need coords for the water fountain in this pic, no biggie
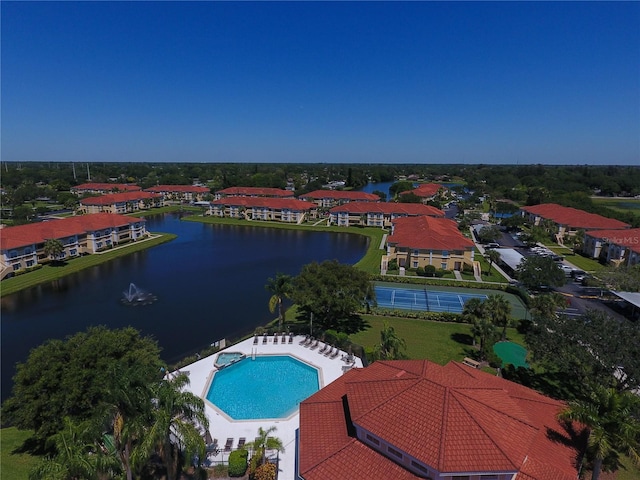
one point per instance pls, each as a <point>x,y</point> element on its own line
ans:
<point>135,296</point>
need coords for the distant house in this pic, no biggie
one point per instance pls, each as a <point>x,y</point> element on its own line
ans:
<point>104,188</point>
<point>378,214</point>
<point>331,198</point>
<point>418,242</point>
<point>128,202</point>
<point>180,193</point>
<point>253,192</point>
<point>426,191</point>
<point>414,419</point>
<point>569,220</point>
<point>617,247</point>
<point>289,210</point>
<point>22,247</point>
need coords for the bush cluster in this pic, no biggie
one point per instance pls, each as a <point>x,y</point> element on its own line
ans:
<point>266,471</point>
<point>238,463</point>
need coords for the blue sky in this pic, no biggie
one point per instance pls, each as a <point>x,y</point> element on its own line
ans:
<point>380,82</point>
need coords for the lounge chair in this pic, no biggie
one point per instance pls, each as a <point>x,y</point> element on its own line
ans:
<point>228,445</point>
<point>264,339</point>
<point>335,354</point>
<point>255,339</point>
<point>284,337</point>
<point>329,352</point>
<point>291,338</point>
<point>324,349</point>
<point>303,341</point>
<point>308,342</point>
<point>275,339</point>
<point>315,345</point>
<point>241,442</point>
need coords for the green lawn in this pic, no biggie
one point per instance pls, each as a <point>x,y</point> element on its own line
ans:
<point>14,466</point>
<point>48,272</point>
<point>436,341</point>
<point>626,205</point>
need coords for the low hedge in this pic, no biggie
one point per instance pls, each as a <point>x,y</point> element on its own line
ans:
<point>438,282</point>
<point>238,463</point>
<point>446,317</point>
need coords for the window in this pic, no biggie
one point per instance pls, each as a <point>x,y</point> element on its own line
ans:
<point>443,265</point>
<point>415,264</point>
<point>373,439</point>
<point>419,467</point>
<point>445,253</point>
<point>394,452</point>
<point>416,252</point>
<point>30,263</point>
<point>16,266</point>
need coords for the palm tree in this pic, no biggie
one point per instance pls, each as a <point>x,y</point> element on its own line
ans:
<point>545,306</point>
<point>177,419</point>
<point>499,309</point>
<point>474,310</point>
<point>493,257</point>
<point>391,347</point>
<point>614,424</point>
<point>483,329</point>
<point>264,442</point>
<point>77,456</point>
<point>280,287</point>
<point>53,248</point>
<point>125,412</point>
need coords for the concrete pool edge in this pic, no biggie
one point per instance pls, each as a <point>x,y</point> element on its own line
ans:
<point>293,411</point>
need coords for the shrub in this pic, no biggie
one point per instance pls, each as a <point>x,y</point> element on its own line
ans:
<point>393,264</point>
<point>238,463</point>
<point>266,471</point>
<point>429,271</point>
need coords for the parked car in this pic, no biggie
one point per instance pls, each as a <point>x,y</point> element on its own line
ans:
<point>493,245</point>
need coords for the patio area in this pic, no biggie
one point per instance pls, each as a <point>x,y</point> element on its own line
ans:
<point>229,433</point>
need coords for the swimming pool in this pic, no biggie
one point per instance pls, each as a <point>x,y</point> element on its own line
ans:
<point>269,386</point>
<point>227,358</point>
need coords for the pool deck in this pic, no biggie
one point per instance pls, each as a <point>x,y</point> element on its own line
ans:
<point>221,427</point>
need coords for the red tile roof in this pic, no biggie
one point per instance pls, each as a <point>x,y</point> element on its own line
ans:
<point>177,189</point>
<point>451,418</point>
<point>342,195</point>
<point>624,238</point>
<point>388,208</point>
<point>113,198</point>
<point>34,233</point>
<point>428,233</point>
<point>425,190</point>
<point>108,187</point>
<point>573,217</point>
<point>266,202</point>
<point>257,191</point>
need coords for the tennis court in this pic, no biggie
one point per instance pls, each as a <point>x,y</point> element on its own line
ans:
<point>423,299</point>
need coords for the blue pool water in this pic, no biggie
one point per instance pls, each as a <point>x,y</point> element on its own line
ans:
<point>264,387</point>
<point>226,358</point>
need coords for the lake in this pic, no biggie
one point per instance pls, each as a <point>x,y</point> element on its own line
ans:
<point>209,283</point>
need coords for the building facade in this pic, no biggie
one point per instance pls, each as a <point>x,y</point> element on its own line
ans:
<point>23,247</point>
<point>264,208</point>
<point>332,198</point>
<point>616,247</point>
<point>418,242</point>
<point>121,203</point>
<point>180,193</point>
<point>380,214</point>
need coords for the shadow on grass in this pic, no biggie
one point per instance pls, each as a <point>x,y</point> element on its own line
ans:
<point>557,385</point>
<point>462,338</point>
